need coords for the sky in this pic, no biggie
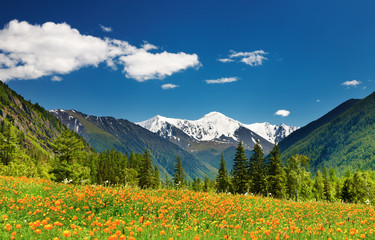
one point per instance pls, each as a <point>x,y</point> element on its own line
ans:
<point>254,61</point>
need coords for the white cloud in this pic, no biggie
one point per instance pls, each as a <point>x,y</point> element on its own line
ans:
<point>56,79</point>
<point>33,51</point>
<point>318,100</point>
<point>222,80</point>
<point>351,83</point>
<point>105,29</point>
<point>168,86</point>
<point>282,113</point>
<point>225,60</point>
<point>147,46</point>
<point>253,59</point>
<point>144,65</point>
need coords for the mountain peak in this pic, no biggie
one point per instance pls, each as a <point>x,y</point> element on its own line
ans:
<point>214,114</point>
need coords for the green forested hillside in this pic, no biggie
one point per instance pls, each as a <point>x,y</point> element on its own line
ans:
<point>306,130</point>
<point>107,132</point>
<point>28,135</point>
<point>34,143</point>
<point>345,142</point>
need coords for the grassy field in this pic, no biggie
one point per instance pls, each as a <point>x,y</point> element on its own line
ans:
<point>40,209</point>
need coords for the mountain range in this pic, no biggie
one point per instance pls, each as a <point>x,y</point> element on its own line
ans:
<point>104,133</point>
<point>216,126</point>
<point>341,139</point>
<point>215,134</point>
<point>200,143</point>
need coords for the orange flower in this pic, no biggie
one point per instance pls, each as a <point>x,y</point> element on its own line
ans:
<point>139,229</point>
<point>162,232</point>
<point>267,232</point>
<point>48,227</point>
<point>18,226</point>
<point>67,233</point>
<point>113,237</point>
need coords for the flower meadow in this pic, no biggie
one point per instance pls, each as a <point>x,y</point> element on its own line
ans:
<point>40,209</point>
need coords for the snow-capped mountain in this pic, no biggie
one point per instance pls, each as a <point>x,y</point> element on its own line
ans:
<point>271,132</point>
<point>216,126</point>
<point>212,126</point>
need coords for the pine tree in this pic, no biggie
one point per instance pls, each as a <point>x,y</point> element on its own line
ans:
<point>7,143</point>
<point>206,184</point>
<point>156,179</point>
<point>146,171</point>
<point>240,172</point>
<point>179,173</point>
<point>196,185</point>
<point>222,177</point>
<point>70,153</point>
<point>276,175</point>
<point>347,192</point>
<point>327,186</point>
<point>68,147</point>
<point>257,171</point>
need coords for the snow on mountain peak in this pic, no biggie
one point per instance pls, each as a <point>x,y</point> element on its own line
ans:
<point>211,126</point>
<point>215,125</point>
<point>271,132</point>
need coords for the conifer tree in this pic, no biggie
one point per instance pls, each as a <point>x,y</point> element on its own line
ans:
<point>146,171</point>
<point>156,179</point>
<point>257,171</point>
<point>69,154</point>
<point>327,186</point>
<point>196,185</point>
<point>7,143</point>
<point>179,173</point>
<point>206,184</point>
<point>347,192</point>
<point>276,175</point>
<point>240,172</point>
<point>222,177</point>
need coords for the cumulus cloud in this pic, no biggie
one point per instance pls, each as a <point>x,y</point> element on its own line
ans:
<point>33,51</point>
<point>318,100</point>
<point>222,80</point>
<point>282,113</point>
<point>254,58</point>
<point>105,29</point>
<point>168,86</point>
<point>56,79</point>
<point>144,65</point>
<point>352,83</point>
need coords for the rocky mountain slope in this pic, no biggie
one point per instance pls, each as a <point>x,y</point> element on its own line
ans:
<point>107,132</point>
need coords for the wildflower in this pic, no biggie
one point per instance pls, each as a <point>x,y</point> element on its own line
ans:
<point>67,233</point>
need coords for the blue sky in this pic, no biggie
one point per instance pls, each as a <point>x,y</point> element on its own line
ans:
<point>112,58</point>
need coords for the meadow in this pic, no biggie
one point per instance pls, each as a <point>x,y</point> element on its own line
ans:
<point>39,209</point>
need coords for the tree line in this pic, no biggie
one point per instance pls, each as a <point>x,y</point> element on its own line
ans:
<point>270,176</point>
<point>261,175</point>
